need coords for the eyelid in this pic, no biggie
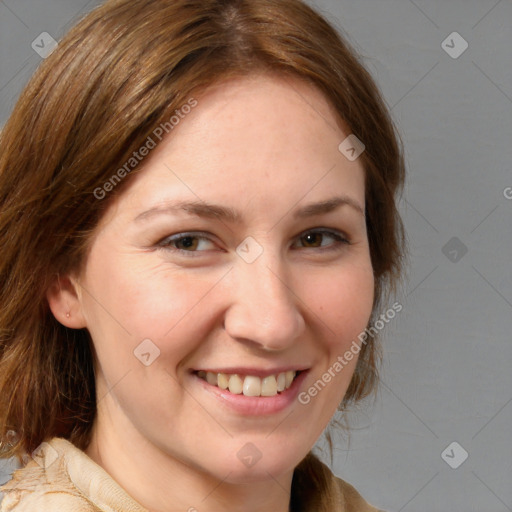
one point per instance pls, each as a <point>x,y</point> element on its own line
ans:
<point>340,238</point>
<point>165,242</point>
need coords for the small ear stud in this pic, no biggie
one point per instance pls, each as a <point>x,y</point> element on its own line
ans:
<point>67,314</point>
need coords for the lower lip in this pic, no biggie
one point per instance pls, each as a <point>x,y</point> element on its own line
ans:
<point>256,405</point>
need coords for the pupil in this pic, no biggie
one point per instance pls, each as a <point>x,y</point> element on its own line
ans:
<point>311,238</point>
<point>187,242</point>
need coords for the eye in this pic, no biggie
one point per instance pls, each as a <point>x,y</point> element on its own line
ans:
<point>186,242</point>
<point>315,239</point>
<point>197,242</point>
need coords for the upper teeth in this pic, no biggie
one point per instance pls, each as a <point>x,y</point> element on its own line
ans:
<point>250,385</point>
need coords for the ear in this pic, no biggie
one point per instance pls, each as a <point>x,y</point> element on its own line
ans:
<point>64,299</point>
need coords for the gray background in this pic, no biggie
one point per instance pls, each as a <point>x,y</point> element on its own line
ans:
<point>446,373</point>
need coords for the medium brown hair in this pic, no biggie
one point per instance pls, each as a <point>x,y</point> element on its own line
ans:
<point>121,71</point>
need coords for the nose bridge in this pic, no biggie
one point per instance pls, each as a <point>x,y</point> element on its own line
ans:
<point>265,308</point>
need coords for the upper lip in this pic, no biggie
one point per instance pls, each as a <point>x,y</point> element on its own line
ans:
<point>257,372</point>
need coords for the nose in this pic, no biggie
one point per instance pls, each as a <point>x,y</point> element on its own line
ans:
<point>265,310</point>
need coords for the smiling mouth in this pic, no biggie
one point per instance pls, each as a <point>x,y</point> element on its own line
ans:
<point>250,385</point>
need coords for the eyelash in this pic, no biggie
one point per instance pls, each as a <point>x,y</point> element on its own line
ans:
<point>168,241</point>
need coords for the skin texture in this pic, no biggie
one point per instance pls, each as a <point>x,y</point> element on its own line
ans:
<point>265,146</point>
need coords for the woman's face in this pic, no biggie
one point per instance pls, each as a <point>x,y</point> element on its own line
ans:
<point>252,280</point>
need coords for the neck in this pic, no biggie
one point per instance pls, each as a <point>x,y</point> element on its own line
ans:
<point>161,483</point>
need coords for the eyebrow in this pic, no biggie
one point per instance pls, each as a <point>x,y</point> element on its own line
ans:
<point>209,210</point>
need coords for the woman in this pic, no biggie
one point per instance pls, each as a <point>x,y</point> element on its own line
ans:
<point>198,225</point>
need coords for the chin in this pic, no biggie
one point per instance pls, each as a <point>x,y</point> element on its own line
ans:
<point>260,472</point>
<point>251,465</point>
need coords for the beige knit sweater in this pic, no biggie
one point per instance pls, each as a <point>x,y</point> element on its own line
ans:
<point>65,479</point>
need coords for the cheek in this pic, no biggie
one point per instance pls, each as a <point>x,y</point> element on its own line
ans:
<point>130,302</point>
<point>343,301</point>
<point>175,308</point>
<point>342,306</point>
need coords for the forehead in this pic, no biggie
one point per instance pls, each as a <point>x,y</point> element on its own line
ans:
<point>266,136</point>
<point>252,109</point>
